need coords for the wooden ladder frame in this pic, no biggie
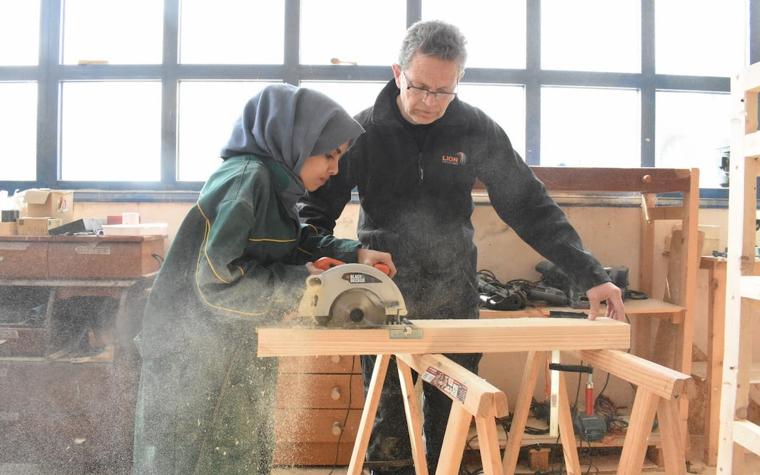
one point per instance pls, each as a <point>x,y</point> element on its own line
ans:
<point>736,433</point>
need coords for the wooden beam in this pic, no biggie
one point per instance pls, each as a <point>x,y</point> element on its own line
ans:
<point>478,396</point>
<point>454,440</point>
<point>647,180</point>
<point>662,381</point>
<point>533,364</point>
<point>413,418</point>
<point>448,336</point>
<point>368,415</point>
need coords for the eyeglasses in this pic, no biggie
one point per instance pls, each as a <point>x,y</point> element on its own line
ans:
<point>423,93</point>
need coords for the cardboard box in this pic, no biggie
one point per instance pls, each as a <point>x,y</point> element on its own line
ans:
<point>36,226</point>
<point>44,202</point>
<point>8,229</point>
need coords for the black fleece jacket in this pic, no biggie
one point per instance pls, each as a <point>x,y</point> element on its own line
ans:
<point>416,203</point>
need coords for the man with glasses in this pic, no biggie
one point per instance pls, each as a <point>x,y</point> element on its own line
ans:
<point>414,169</point>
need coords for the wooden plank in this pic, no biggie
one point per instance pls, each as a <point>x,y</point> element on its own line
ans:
<point>752,144</point>
<point>741,209</point>
<point>448,336</point>
<point>747,434</point>
<point>454,441</point>
<point>566,432</point>
<point>666,212</point>
<point>413,418</point>
<point>490,456</point>
<point>368,415</point>
<point>478,396</point>
<point>672,441</point>
<point>662,381</point>
<point>646,246</point>
<point>715,322</point>
<point>639,427</point>
<point>534,362</point>
<point>649,308</point>
<point>649,180</point>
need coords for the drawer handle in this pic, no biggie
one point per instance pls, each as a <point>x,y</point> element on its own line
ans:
<point>336,429</point>
<point>335,358</point>
<point>335,393</point>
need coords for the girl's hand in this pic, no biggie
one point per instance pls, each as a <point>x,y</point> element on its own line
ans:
<point>370,258</point>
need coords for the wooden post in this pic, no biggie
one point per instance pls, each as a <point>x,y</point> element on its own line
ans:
<point>413,419</point>
<point>639,428</point>
<point>533,364</point>
<point>368,415</point>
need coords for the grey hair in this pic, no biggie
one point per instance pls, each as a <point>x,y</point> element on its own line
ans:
<point>434,38</point>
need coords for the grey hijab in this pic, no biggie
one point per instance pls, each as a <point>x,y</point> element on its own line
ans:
<point>289,124</point>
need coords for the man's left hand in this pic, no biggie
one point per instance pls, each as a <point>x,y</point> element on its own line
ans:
<point>614,297</point>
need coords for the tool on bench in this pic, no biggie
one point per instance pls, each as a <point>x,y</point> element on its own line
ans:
<point>352,296</point>
<point>588,425</point>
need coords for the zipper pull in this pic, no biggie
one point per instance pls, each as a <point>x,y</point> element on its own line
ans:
<point>419,167</point>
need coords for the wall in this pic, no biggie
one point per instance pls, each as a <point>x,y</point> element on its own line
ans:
<point>611,233</point>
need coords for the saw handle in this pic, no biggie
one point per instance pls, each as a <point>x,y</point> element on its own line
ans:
<point>325,263</point>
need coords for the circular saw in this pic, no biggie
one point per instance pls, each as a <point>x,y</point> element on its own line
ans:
<point>352,296</point>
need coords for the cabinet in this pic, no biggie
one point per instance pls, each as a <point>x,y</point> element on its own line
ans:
<point>319,404</point>
<point>737,434</point>
<point>69,307</point>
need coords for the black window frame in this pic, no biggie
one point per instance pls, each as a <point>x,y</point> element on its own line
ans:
<point>50,73</point>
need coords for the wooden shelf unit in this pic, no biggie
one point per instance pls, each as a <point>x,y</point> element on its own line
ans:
<point>742,288</point>
<point>648,183</point>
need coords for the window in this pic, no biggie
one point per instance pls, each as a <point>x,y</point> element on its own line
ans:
<point>591,35</point>
<point>142,94</point>
<point>18,131</point>
<point>112,31</point>
<point>232,32</point>
<point>711,43</point>
<point>692,130</point>
<point>351,32</point>
<point>353,96</point>
<point>495,31</point>
<point>111,131</point>
<point>20,27</point>
<point>207,112</point>
<point>584,127</point>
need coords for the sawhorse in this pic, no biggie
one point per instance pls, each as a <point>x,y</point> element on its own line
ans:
<point>659,389</point>
<point>471,396</point>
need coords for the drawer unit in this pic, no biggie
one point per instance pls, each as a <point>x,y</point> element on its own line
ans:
<point>104,257</point>
<point>319,405</point>
<point>23,259</point>
<point>329,433</point>
<point>320,391</point>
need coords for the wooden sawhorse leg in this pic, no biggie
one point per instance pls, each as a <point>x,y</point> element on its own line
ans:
<point>536,361</point>
<point>471,397</point>
<point>368,415</point>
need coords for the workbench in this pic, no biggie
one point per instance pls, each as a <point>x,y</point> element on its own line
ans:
<point>67,405</point>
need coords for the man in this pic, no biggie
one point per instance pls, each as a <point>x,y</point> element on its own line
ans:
<point>414,168</point>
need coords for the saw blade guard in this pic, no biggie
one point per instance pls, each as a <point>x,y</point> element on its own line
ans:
<point>352,295</point>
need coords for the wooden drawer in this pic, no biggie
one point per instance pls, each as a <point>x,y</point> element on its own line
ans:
<point>312,453</point>
<point>104,258</point>
<point>320,364</point>
<point>23,260</point>
<point>320,391</point>
<point>316,425</point>
<point>23,341</point>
